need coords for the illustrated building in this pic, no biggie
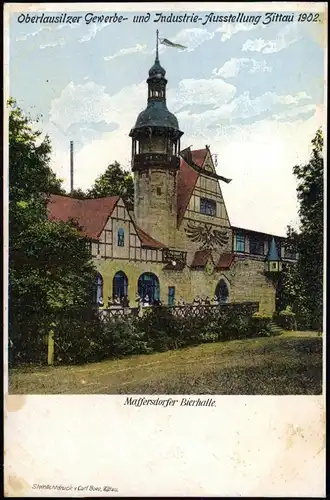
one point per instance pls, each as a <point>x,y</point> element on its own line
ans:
<point>178,240</point>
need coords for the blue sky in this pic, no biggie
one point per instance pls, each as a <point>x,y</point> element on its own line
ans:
<point>254,93</point>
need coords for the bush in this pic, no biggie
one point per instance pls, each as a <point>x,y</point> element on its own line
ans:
<point>259,325</point>
<point>88,339</point>
<point>26,346</point>
<point>160,329</point>
<point>233,324</point>
<point>79,341</point>
<point>122,338</point>
<point>286,319</point>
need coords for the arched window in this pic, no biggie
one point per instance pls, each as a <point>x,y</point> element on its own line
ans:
<point>98,290</point>
<point>222,291</point>
<point>148,287</point>
<point>120,285</point>
<point>121,237</point>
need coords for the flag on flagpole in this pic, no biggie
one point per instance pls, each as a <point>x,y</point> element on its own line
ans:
<point>168,43</point>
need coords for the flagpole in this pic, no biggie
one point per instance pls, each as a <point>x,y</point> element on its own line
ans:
<point>157,59</point>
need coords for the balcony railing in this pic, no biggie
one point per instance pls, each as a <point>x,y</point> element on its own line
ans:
<point>174,259</point>
<point>162,160</point>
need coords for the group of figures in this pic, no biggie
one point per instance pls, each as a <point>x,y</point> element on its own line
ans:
<point>206,301</point>
<point>115,301</point>
<point>146,301</point>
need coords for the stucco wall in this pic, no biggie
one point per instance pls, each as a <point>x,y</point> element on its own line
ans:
<point>246,281</point>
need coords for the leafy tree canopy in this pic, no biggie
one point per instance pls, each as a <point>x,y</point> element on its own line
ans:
<point>50,272</point>
<point>302,285</point>
<point>115,181</point>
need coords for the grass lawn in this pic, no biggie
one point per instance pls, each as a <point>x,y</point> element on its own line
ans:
<point>288,364</point>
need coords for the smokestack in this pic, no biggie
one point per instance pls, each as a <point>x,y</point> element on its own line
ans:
<point>71,166</point>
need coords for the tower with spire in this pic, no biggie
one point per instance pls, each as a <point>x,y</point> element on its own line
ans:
<point>155,160</point>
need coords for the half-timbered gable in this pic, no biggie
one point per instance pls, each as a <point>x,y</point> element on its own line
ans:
<point>207,203</point>
<point>203,222</point>
<point>117,232</point>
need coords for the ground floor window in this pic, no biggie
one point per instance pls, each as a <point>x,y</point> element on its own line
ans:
<point>120,285</point>
<point>171,295</point>
<point>222,291</point>
<point>148,288</point>
<point>98,290</point>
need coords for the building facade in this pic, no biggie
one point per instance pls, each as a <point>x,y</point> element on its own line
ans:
<point>178,241</point>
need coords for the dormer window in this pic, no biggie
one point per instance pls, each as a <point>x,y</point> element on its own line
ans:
<point>208,207</point>
<point>121,237</point>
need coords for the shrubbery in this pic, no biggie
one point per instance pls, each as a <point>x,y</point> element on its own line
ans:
<point>81,340</point>
<point>286,319</point>
<point>260,325</point>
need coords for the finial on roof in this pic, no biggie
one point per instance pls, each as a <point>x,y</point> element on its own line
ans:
<point>157,41</point>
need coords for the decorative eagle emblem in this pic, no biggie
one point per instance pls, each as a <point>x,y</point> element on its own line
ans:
<point>207,235</point>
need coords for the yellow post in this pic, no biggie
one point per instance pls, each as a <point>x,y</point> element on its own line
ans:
<point>50,359</point>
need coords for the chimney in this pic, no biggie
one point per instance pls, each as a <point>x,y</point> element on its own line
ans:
<point>71,167</point>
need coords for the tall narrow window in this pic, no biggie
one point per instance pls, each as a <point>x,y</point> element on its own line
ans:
<point>121,237</point>
<point>171,295</point>
<point>240,243</point>
<point>120,285</point>
<point>98,290</point>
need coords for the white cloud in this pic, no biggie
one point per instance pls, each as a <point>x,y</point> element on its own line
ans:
<point>260,158</point>
<point>238,109</point>
<point>93,30</point>
<point>124,52</point>
<point>228,29</point>
<point>43,29</point>
<point>233,66</point>
<point>60,41</point>
<point>34,33</point>
<point>202,92</point>
<point>293,112</point>
<point>286,37</point>
<point>79,104</point>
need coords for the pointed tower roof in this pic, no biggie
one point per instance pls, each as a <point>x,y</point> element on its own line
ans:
<point>273,252</point>
<point>156,114</point>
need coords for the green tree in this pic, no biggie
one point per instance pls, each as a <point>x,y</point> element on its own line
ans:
<point>78,194</point>
<point>50,272</point>
<point>302,285</point>
<point>115,181</point>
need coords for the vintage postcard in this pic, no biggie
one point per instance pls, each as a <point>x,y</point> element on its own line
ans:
<point>164,193</point>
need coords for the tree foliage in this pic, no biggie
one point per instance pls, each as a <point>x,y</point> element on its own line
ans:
<point>302,285</point>
<point>78,194</point>
<point>115,181</point>
<point>50,273</point>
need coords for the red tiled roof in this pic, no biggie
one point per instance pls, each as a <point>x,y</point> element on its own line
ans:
<point>225,261</point>
<point>91,215</point>
<point>148,241</point>
<point>198,156</point>
<point>201,257</point>
<point>187,179</point>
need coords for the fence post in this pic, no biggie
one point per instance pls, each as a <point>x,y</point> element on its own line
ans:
<point>50,358</point>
